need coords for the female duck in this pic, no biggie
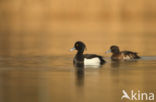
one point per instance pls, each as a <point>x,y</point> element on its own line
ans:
<point>81,59</point>
<point>122,55</point>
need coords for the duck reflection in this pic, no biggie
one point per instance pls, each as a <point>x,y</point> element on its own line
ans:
<point>80,76</point>
<point>79,82</point>
<point>115,64</point>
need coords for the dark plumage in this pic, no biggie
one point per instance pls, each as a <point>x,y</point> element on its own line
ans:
<point>81,59</point>
<point>122,55</point>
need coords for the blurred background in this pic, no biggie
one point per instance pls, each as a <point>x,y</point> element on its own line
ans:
<point>51,27</point>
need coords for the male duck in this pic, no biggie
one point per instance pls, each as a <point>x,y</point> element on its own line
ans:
<point>122,55</point>
<point>81,59</point>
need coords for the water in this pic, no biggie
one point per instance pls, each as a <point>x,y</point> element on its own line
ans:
<point>53,78</point>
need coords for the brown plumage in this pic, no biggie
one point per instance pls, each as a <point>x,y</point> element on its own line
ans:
<point>122,55</point>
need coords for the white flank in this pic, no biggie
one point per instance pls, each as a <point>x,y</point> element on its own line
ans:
<point>126,57</point>
<point>93,61</point>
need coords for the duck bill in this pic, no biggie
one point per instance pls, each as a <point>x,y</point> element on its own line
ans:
<point>108,51</point>
<point>72,49</point>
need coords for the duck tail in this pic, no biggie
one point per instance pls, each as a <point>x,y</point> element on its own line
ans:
<point>136,56</point>
<point>102,60</point>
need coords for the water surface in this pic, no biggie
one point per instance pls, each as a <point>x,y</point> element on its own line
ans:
<point>54,79</point>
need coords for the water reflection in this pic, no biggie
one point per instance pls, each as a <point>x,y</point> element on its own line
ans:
<point>80,75</point>
<point>48,81</point>
<point>115,64</point>
<point>79,84</point>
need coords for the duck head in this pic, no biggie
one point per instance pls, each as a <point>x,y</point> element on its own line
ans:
<point>114,49</point>
<point>79,46</point>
